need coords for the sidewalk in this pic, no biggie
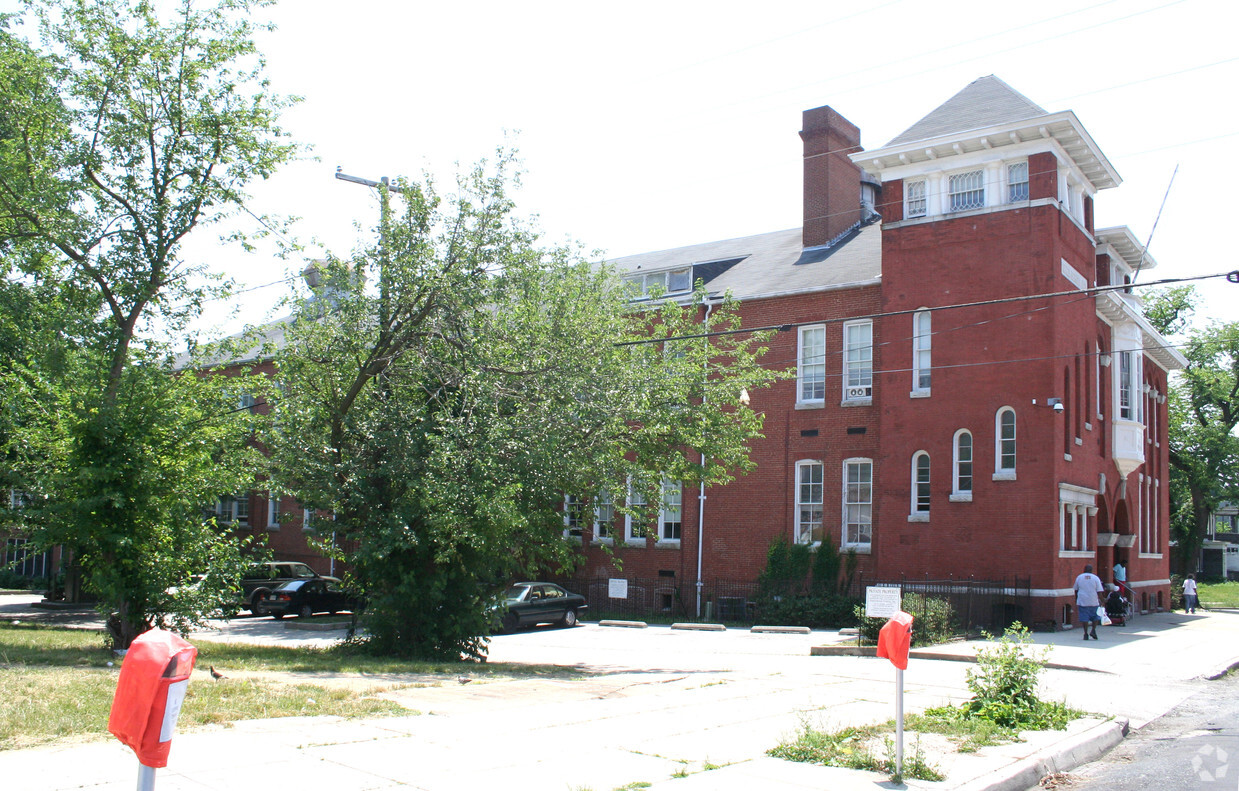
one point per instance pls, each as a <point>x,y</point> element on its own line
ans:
<point>670,726</point>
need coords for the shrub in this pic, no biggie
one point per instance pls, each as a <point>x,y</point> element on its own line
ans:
<point>823,611</point>
<point>1004,686</point>
<point>934,620</point>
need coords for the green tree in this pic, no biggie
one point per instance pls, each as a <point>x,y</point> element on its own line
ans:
<point>1203,410</point>
<point>125,130</point>
<point>442,416</point>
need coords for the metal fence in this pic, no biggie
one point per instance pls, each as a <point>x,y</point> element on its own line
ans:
<point>976,605</point>
<point>721,600</point>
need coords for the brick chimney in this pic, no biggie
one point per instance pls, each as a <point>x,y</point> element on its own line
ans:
<point>831,181</point>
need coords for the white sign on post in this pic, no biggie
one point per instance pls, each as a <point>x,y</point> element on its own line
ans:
<point>881,602</point>
<point>617,589</point>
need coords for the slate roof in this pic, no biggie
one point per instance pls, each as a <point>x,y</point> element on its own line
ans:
<point>771,264</point>
<point>984,102</point>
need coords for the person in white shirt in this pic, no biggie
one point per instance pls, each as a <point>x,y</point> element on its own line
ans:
<point>1190,601</point>
<point>1088,590</point>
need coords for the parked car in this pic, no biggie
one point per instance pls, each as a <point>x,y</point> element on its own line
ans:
<point>532,603</point>
<point>262,578</point>
<point>306,597</point>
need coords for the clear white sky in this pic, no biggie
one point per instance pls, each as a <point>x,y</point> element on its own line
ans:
<point>648,125</point>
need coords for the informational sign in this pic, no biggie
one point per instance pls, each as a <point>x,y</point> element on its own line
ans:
<point>618,589</point>
<point>881,602</point>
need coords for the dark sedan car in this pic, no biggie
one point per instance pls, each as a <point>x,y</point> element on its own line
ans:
<point>531,603</point>
<point>306,597</point>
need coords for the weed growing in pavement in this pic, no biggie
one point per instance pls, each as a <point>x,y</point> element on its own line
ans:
<point>1004,687</point>
<point>852,748</point>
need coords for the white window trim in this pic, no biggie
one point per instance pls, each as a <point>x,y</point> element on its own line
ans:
<point>856,400</point>
<point>860,547</point>
<point>908,213</point>
<point>957,494</point>
<point>801,401</point>
<point>1002,473</point>
<point>663,512</point>
<point>1008,183</point>
<point>568,505</point>
<point>796,523</point>
<point>273,511</point>
<point>922,342</point>
<point>915,514</point>
<point>949,194</point>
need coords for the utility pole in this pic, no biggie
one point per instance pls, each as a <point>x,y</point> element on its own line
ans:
<point>385,189</point>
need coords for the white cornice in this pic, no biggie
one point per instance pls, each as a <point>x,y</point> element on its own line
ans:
<point>1063,128</point>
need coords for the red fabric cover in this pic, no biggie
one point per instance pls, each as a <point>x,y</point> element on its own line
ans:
<point>894,639</point>
<point>155,660</point>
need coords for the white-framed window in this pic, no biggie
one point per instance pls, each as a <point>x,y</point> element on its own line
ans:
<point>673,281</point>
<point>858,361</point>
<point>922,342</point>
<point>966,190</point>
<point>670,520</point>
<point>20,556</point>
<point>920,486</point>
<point>1017,182</point>
<point>915,202</point>
<point>574,516</point>
<point>1129,386</point>
<point>246,401</point>
<point>858,504</point>
<point>233,508</point>
<point>273,511</point>
<point>1004,443</point>
<point>811,365</point>
<point>634,523</point>
<point>308,515</point>
<point>961,467</point>
<point>809,493</point>
<point>604,516</point>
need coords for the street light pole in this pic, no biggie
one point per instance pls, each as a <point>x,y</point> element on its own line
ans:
<point>385,189</point>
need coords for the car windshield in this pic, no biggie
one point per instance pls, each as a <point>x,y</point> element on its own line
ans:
<point>516,592</point>
<point>300,571</point>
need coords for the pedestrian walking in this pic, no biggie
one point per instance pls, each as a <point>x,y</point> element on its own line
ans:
<point>1190,601</point>
<point>1088,590</point>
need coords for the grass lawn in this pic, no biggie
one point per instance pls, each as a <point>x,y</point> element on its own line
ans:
<point>1218,594</point>
<point>57,683</point>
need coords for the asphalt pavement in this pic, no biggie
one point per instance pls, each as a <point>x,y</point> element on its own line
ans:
<point>680,710</point>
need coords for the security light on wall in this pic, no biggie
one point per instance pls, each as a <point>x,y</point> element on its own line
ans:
<point>1053,403</point>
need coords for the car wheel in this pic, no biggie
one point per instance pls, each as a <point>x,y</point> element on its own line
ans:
<point>305,612</point>
<point>569,619</point>
<point>510,622</point>
<point>256,600</point>
<point>277,615</point>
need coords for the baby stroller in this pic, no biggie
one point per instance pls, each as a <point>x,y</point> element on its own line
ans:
<point>1116,607</point>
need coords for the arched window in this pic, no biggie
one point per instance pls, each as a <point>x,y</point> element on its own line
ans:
<point>921,348</point>
<point>1004,444</point>
<point>962,483</point>
<point>920,486</point>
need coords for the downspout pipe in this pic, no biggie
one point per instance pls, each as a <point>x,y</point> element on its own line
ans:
<point>701,494</point>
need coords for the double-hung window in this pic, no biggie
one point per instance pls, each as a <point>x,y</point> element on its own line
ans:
<point>966,190</point>
<point>1017,182</point>
<point>635,522</point>
<point>858,504</point>
<point>858,361</point>
<point>670,518</point>
<point>962,484</point>
<point>920,486</point>
<point>1004,451</point>
<point>916,203</point>
<point>811,366</point>
<point>922,336</point>
<point>574,516</point>
<point>233,508</point>
<point>809,490</point>
<point>273,511</point>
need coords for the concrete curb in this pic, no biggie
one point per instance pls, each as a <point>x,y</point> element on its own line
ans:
<point>625,624</point>
<point>921,653</point>
<point>700,627</point>
<point>1221,670</point>
<point>1063,757</point>
<point>781,630</point>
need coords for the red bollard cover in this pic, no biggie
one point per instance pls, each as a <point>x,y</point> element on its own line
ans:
<point>149,693</point>
<point>894,639</point>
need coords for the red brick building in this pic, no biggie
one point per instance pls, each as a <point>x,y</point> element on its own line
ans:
<point>963,405</point>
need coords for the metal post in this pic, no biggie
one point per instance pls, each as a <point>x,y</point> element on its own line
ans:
<point>146,778</point>
<point>899,722</point>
